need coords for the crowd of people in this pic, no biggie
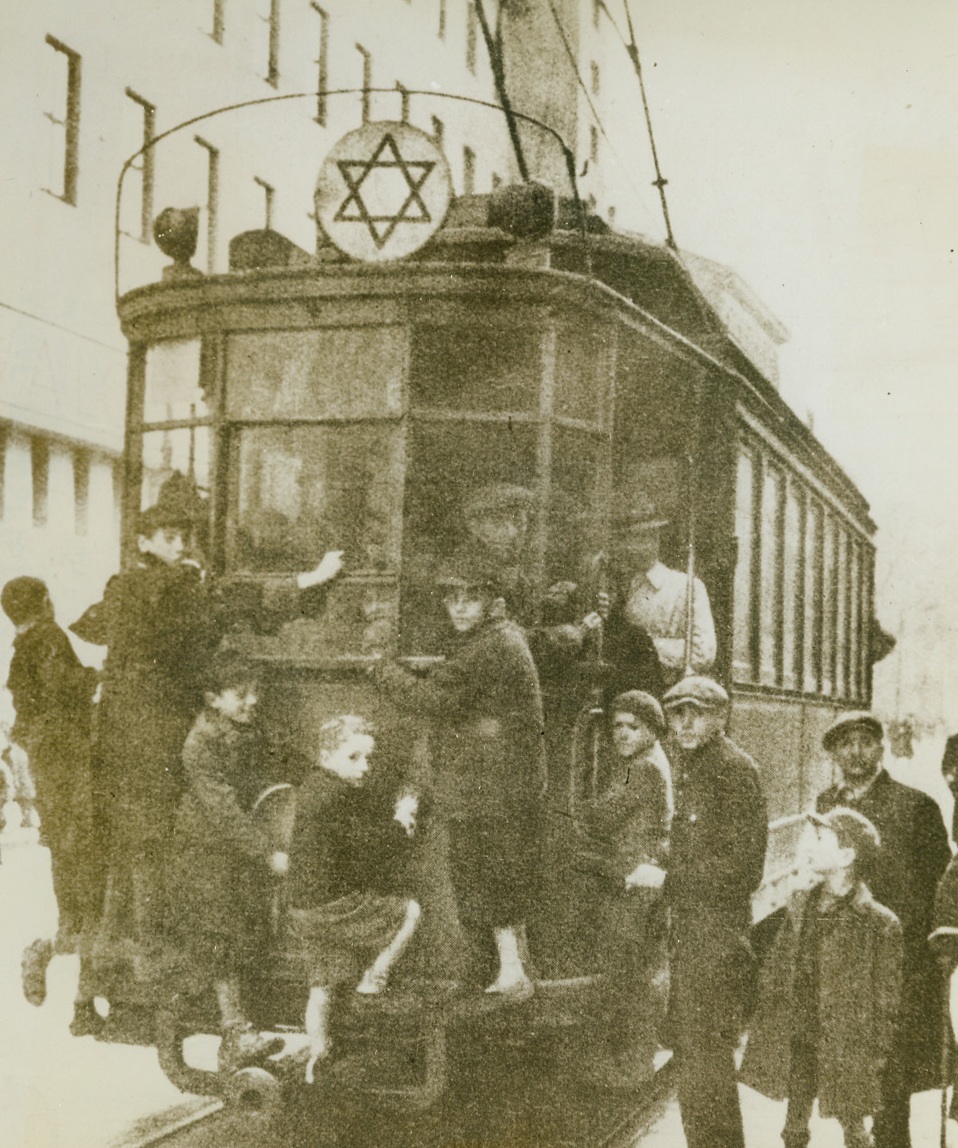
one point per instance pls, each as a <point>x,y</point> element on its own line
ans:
<point>148,802</point>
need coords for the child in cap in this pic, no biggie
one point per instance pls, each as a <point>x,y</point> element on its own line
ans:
<point>222,858</point>
<point>627,827</point>
<point>829,989</point>
<point>489,764</point>
<point>52,696</point>
<point>344,931</point>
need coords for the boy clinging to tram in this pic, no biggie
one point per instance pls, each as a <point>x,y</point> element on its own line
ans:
<point>222,859</point>
<point>343,929</point>
<point>488,760</point>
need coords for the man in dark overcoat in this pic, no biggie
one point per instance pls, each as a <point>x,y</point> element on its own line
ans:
<point>913,856</point>
<point>716,862</point>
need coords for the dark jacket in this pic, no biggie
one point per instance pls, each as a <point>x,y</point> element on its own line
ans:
<point>345,841</point>
<point>52,695</point>
<point>858,981</point>
<point>913,855</point>
<point>218,864</point>
<point>486,705</point>
<point>161,625</point>
<point>719,832</point>
<point>629,823</point>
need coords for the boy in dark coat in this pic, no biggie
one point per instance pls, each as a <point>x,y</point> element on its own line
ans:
<point>489,763</point>
<point>627,830</point>
<point>161,626</point>
<point>343,929</point>
<point>716,862</point>
<point>52,696</point>
<point>907,867</point>
<point>222,858</point>
<point>829,989</point>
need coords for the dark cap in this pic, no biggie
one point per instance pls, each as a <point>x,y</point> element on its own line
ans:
<point>853,830</point>
<point>636,509</point>
<point>470,574</point>
<point>22,599</point>
<point>497,497</point>
<point>642,706</point>
<point>844,723</point>
<point>179,505</point>
<point>696,690</point>
<point>230,668</point>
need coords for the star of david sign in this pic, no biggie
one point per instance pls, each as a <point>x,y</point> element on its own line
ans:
<point>384,189</point>
<point>386,179</point>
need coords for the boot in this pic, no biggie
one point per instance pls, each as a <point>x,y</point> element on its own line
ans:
<point>33,970</point>
<point>242,1045</point>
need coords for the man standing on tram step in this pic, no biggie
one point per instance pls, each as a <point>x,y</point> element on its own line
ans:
<point>52,695</point>
<point>716,862</point>
<point>652,599</point>
<point>913,856</point>
<point>161,626</point>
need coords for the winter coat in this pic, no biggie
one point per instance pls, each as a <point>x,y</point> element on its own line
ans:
<point>489,757</point>
<point>52,696</point>
<point>719,831</point>
<point>913,855</point>
<point>858,980</point>
<point>218,864</point>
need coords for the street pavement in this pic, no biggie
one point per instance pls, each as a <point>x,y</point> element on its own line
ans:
<point>60,1091</point>
<point>57,1090</point>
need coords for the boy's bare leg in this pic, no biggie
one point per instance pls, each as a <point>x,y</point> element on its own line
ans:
<point>375,977</point>
<point>241,1043</point>
<point>512,977</point>
<point>316,1023</point>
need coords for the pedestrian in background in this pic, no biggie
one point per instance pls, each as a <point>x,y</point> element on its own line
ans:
<point>52,694</point>
<point>828,991</point>
<point>903,876</point>
<point>716,862</point>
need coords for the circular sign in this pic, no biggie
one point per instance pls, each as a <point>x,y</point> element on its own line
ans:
<point>383,191</point>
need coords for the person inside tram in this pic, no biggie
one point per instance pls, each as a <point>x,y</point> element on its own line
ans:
<point>343,928</point>
<point>489,765</point>
<point>222,859</point>
<point>651,599</point>
<point>625,846</point>
<point>497,518</point>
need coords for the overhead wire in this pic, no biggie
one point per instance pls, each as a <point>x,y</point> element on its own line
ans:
<point>573,63</point>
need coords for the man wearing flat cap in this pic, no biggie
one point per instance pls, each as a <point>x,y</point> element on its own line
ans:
<point>654,598</point>
<point>497,519</point>
<point>905,873</point>
<point>716,862</point>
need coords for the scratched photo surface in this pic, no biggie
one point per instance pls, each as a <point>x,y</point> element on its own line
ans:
<point>474,476</point>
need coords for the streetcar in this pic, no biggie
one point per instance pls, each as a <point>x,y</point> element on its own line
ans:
<point>316,401</point>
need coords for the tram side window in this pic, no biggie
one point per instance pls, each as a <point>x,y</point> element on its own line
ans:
<point>572,539</point>
<point>743,637</point>
<point>771,549</point>
<point>297,491</point>
<point>792,586</point>
<point>854,619</point>
<point>814,547</point>
<point>841,613</point>
<point>476,368</point>
<point>172,388</point>
<point>580,375</point>
<point>829,602</point>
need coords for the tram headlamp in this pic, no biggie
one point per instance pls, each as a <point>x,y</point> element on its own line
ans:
<point>525,210</point>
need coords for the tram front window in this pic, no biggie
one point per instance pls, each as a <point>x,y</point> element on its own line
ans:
<point>299,491</point>
<point>475,368</point>
<point>172,388</point>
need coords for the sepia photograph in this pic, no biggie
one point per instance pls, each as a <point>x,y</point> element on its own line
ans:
<point>478,663</point>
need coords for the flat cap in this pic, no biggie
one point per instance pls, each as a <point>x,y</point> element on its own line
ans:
<point>642,706</point>
<point>500,496</point>
<point>636,509</point>
<point>696,690</point>
<point>469,573</point>
<point>853,719</point>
